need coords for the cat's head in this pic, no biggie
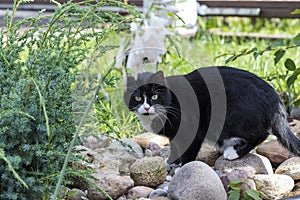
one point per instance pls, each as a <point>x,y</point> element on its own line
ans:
<point>147,94</point>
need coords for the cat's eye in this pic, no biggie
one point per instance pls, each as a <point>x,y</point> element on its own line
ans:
<point>137,98</point>
<point>154,97</point>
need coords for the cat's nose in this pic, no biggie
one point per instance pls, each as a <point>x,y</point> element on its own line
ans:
<point>147,108</point>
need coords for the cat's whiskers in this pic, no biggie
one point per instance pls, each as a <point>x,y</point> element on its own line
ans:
<point>173,111</point>
<point>134,109</point>
<point>162,112</point>
<point>163,118</point>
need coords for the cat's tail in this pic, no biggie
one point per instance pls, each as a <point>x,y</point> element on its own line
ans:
<point>284,134</point>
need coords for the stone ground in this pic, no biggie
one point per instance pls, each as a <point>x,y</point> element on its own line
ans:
<point>140,172</point>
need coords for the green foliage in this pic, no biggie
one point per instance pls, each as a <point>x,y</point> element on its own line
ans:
<point>10,168</point>
<point>236,191</point>
<point>249,24</point>
<point>38,67</point>
<point>278,49</point>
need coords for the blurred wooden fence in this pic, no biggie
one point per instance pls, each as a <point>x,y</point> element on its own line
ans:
<point>254,8</point>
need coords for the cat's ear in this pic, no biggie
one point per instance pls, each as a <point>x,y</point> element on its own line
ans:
<point>130,80</point>
<point>128,84</point>
<point>159,77</point>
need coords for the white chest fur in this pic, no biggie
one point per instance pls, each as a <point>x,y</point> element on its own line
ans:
<point>146,121</point>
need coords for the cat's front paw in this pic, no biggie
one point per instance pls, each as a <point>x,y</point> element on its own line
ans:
<point>230,154</point>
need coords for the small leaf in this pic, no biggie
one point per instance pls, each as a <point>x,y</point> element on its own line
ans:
<point>255,55</point>
<point>234,195</point>
<point>277,43</point>
<point>296,40</point>
<point>295,12</point>
<point>253,194</point>
<point>236,184</point>
<point>230,59</point>
<point>291,80</point>
<point>254,49</point>
<point>237,181</point>
<point>269,48</point>
<point>289,64</point>
<point>278,55</point>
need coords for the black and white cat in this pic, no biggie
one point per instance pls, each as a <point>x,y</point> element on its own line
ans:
<point>231,108</point>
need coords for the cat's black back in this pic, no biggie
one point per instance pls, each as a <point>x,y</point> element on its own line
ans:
<point>251,109</point>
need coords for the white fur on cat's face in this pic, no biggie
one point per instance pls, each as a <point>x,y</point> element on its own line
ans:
<point>145,108</point>
<point>147,112</point>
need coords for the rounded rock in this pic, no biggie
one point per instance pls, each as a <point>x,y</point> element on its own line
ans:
<point>274,151</point>
<point>113,184</point>
<point>144,139</point>
<point>208,154</point>
<point>196,180</point>
<point>273,186</point>
<point>139,192</point>
<point>251,163</point>
<point>290,167</point>
<point>130,146</point>
<point>148,171</point>
<point>97,141</point>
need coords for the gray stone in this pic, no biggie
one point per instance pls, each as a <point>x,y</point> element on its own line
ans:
<point>168,178</point>
<point>290,167</point>
<point>153,146</point>
<point>116,158</point>
<point>144,139</point>
<point>196,180</point>
<point>251,163</point>
<point>130,146</point>
<point>164,185</point>
<point>85,152</point>
<point>113,184</point>
<point>273,186</point>
<point>88,155</point>
<point>160,198</point>
<point>295,113</point>
<point>139,192</point>
<point>159,193</point>
<point>148,153</point>
<point>274,151</point>
<point>208,154</point>
<point>165,152</point>
<point>148,171</point>
<point>97,141</point>
<point>295,127</point>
